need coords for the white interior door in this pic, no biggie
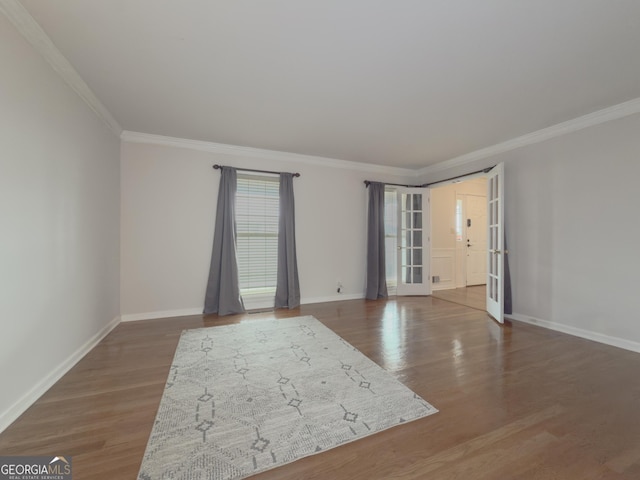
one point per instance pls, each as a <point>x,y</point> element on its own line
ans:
<point>495,260</point>
<point>413,242</point>
<point>476,241</point>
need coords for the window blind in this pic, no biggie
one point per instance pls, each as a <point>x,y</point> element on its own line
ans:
<point>257,211</point>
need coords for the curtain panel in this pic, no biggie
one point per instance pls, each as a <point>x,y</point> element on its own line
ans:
<point>508,301</point>
<point>288,285</point>
<point>376,273</point>
<point>223,288</point>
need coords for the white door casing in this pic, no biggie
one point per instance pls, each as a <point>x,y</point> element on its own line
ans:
<point>495,238</point>
<point>414,277</point>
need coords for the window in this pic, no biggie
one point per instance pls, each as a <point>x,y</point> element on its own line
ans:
<point>257,210</point>
<point>391,238</point>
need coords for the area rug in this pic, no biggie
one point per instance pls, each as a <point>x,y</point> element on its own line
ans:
<point>245,398</point>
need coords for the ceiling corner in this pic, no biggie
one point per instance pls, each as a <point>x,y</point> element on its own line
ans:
<point>37,37</point>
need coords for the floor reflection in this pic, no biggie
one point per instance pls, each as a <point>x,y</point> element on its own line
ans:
<point>457,354</point>
<point>393,333</point>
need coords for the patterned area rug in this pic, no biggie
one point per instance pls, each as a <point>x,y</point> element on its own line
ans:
<point>245,398</point>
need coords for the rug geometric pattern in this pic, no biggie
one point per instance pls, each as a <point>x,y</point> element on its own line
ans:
<point>245,398</point>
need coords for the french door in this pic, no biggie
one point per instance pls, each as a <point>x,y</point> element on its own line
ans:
<point>413,242</point>
<point>496,252</point>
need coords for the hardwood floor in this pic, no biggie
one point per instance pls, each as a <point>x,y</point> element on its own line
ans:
<point>474,297</point>
<point>516,402</point>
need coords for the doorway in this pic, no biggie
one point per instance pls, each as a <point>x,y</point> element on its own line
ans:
<point>459,235</point>
<point>459,247</point>
<point>457,243</point>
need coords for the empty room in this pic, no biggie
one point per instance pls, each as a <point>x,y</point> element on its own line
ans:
<point>319,240</point>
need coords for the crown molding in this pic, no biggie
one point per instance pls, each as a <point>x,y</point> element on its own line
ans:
<point>36,36</point>
<point>221,148</point>
<point>614,112</point>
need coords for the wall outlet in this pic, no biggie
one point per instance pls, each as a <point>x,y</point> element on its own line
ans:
<point>435,279</point>
<point>339,289</point>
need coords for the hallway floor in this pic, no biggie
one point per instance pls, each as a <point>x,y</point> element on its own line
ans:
<point>474,297</point>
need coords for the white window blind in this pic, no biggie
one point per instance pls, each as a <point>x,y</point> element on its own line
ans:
<point>257,210</point>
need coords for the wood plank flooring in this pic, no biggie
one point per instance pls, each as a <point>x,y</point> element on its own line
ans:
<point>474,297</point>
<point>516,402</point>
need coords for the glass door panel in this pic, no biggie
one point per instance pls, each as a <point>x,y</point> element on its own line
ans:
<point>412,241</point>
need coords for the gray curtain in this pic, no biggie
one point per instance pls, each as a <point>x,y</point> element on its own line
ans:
<point>508,302</point>
<point>288,286</point>
<point>376,274</point>
<point>223,288</point>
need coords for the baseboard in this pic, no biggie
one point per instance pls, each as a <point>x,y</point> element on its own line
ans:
<point>332,298</point>
<point>184,312</point>
<point>437,288</point>
<point>133,317</point>
<point>29,398</point>
<point>578,332</point>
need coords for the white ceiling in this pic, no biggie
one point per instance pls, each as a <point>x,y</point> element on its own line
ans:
<point>406,83</point>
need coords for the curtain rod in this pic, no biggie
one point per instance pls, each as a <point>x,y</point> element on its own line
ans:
<point>368,182</point>
<point>218,167</point>
<point>484,170</point>
<point>424,185</point>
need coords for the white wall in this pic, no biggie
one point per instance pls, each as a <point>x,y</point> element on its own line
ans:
<point>443,236</point>
<point>169,199</point>
<point>572,232</point>
<point>59,244</point>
